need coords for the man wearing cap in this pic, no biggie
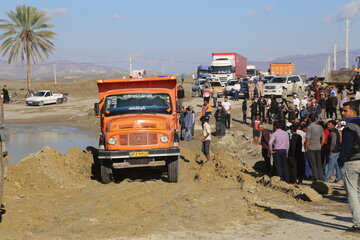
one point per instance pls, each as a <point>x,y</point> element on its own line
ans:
<point>350,159</point>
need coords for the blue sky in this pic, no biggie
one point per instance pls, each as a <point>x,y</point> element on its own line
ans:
<point>184,33</point>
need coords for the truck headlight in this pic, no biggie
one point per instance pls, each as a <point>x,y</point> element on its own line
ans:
<point>164,139</point>
<point>111,141</point>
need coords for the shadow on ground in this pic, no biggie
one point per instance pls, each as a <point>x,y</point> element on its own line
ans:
<point>299,218</point>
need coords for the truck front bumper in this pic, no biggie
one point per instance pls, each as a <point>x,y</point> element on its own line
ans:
<point>137,158</point>
<point>149,153</point>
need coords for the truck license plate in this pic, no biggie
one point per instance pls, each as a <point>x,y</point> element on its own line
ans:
<point>139,154</point>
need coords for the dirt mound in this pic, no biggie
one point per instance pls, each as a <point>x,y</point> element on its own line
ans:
<point>208,197</point>
<point>49,169</point>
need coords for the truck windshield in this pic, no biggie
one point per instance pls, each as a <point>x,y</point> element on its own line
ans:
<point>278,80</point>
<point>221,69</point>
<point>39,94</point>
<point>250,72</point>
<point>203,71</point>
<point>215,84</point>
<point>132,103</point>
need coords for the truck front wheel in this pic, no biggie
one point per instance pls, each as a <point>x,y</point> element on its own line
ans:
<point>105,173</point>
<point>173,169</point>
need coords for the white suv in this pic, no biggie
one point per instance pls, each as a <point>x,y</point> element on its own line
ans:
<point>274,87</point>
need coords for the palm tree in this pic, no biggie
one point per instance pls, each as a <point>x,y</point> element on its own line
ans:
<point>26,37</point>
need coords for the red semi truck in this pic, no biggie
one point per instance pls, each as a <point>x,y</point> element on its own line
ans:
<point>227,66</point>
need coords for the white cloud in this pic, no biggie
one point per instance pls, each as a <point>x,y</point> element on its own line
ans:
<point>251,13</point>
<point>350,10</point>
<point>56,12</point>
<point>266,11</point>
<point>117,16</point>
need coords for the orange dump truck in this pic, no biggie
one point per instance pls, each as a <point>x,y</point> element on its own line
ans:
<point>281,68</point>
<point>139,125</point>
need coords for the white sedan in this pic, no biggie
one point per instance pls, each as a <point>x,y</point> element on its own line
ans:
<point>43,97</point>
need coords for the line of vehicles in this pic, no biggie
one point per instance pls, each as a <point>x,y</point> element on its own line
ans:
<point>228,68</point>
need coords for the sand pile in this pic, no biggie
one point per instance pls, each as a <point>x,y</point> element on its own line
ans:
<point>49,169</point>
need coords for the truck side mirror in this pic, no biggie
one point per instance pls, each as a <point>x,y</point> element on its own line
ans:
<point>233,69</point>
<point>96,109</point>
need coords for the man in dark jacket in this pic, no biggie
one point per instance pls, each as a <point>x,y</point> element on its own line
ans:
<point>350,159</point>
<point>253,110</point>
<point>294,156</point>
<point>333,146</point>
<point>322,104</point>
<point>273,108</point>
<point>244,109</point>
<point>6,98</point>
<point>261,105</point>
<point>181,96</point>
<point>220,117</point>
<point>334,104</point>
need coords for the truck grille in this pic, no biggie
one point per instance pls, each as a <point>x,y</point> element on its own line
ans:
<point>223,79</point>
<point>269,87</point>
<point>138,139</point>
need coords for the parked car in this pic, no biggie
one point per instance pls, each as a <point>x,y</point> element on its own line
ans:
<point>43,97</point>
<point>275,87</point>
<point>198,86</point>
<point>228,90</point>
<point>244,90</point>
<point>218,87</point>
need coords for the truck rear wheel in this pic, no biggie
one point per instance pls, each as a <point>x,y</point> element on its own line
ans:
<point>173,169</point>
<point>106,173</point>
<point>64,100</point>
<point>58,101</point>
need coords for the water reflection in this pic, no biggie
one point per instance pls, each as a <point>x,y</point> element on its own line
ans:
<point>22,139</point>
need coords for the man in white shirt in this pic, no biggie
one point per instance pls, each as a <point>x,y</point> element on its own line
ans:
<point>227,106</point>
<point>296,100</point>
<point>304,102</point>
<point>237,88</point>
<point>206,139</point>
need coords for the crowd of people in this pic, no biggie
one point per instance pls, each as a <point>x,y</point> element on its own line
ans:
<point>309,139</point>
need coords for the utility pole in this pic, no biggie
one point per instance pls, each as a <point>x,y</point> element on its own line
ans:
<point>55,74</point>
<point>334,46</point>
<point>131,66</point>
<point>329,64</point>
<point>347,43</point>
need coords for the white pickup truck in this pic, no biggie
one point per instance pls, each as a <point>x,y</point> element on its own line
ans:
<point>43,97</point>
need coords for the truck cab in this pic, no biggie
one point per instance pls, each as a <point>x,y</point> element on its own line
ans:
<point>139,125</point>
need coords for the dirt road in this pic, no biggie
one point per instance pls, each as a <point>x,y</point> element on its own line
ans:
<point>49,195</point>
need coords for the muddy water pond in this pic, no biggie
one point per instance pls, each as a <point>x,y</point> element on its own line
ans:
<point>22,139</point>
